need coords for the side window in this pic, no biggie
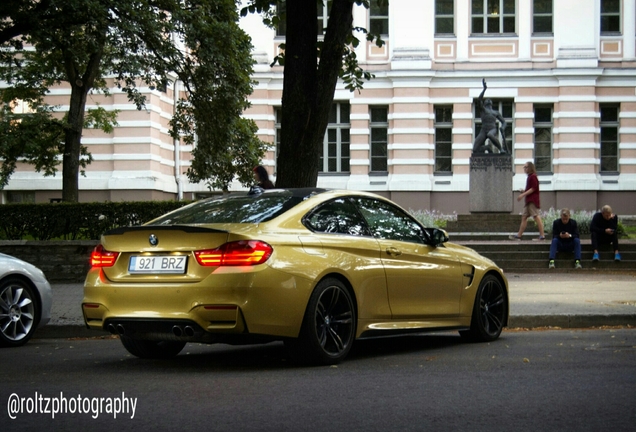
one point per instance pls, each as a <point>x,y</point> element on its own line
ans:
<point>542,16</point>
<point>444,17</point>
<point>609,138</point>
<point>443,139</point>
<point>493,16</point>
<point>543,124</point>
<point>379,17</point>
<point>610,16</point>
<point>389,222</point>
<point>379,138</point>
<point>339,216</point>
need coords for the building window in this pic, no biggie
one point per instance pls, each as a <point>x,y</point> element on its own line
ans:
<point>444,17</point>
<point>379,17</point>
<point>504,106</point>
<point>493,16</point>
<point>277,135</point>
<point>543,138</point>
<point>542,16</point>
<point>610,16</point>
<point>335,156</point>
<point>379,139</point>
<point>20,197</point>
<point>443,139</point>
<point>609,138</point>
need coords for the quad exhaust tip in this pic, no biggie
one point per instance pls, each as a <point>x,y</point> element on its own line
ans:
<point>179,331</point>
<point>116,329</point>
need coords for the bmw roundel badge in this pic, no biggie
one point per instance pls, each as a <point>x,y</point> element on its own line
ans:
<point>154,241</point>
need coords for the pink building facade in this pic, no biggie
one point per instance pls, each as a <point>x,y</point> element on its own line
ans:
<point>562,73</point>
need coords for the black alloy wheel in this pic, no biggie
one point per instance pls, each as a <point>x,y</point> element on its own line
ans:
<point>329,325</point>
<point>489,312</point>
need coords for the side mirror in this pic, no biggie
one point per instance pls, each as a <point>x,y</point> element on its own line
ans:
<point>438,236</point>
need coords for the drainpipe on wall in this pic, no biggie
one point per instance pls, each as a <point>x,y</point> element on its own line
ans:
<point>177,148</point>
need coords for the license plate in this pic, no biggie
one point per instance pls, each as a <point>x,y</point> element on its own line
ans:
<point>157,264</point>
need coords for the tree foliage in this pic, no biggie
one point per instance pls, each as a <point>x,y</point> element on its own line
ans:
<point>89,44</point>
<point>313,64</point>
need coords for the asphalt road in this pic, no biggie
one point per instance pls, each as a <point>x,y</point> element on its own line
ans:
<point>526,381</point>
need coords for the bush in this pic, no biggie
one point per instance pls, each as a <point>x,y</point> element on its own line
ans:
<point>76,221</point>
<point>432,218</point>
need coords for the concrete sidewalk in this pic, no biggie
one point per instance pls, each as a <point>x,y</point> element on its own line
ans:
<point>536,300</point>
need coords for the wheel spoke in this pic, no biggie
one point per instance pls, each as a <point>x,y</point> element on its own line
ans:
<point>320,314</point>
<point>27,315</point>
<point>322,335</point>
<point>336,339</point>
<point>17,295</point>
<point>494,320</point>
<point>335,296</point>
<point>6,326</point>
<point>11,330</point>
<point>343,318</point>
<point>8,296</point>
<point>4,306</point>
<point>25,302</point>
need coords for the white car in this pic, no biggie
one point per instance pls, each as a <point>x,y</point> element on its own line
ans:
<point>25,300</point>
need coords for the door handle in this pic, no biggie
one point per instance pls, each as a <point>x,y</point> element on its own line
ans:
<point>393,251</point>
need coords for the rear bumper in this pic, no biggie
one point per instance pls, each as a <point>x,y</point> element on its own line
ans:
<point>268,302</point>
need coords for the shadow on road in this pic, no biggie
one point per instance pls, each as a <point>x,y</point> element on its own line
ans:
<point>273,356</point>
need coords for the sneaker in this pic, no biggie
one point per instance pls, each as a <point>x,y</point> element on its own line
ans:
<point>514,237</point>
<point>595,257</point>
<point>539,239</point>
<point>577,265</point>
<point>617,257</point>
<point>551,264</point>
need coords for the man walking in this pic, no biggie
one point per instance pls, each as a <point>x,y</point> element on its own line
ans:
<point>533,203</point>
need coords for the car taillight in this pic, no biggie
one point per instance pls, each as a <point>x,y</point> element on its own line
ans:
<point>100,257</point>
<point>238,253</point>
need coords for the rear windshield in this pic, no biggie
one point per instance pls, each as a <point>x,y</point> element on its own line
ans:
<point>232,209</point>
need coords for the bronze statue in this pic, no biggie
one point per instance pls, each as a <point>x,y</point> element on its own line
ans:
<point>489,118</point>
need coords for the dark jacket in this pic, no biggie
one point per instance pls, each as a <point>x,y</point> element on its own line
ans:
<point>571,227</point>
<point>264,182</point>
<point>599,224</point>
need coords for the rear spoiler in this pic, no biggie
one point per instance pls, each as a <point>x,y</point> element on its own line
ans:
<point>184,228</point>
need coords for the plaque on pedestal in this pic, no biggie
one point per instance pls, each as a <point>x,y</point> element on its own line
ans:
<point>491,183</point>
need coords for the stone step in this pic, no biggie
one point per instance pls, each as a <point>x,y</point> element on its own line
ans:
<point>521,256</point>
<point>491,222</point>
<point>539,246</point>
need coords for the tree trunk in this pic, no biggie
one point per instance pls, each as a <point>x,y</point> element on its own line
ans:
<point>72,144</point>
<point>80,86</point>
<point>308,90</point>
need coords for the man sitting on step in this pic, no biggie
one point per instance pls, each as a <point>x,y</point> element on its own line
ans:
<point>565,238</point>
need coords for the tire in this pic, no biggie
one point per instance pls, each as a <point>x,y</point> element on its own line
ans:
<point>489,312</point>
<point>329,326</point>
<point>151,349</point>
<point>19,312</point>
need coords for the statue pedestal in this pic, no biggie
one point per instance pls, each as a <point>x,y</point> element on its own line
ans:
<point>491,183</point>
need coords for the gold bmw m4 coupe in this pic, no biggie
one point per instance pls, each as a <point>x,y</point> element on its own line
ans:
<point>314,268</point>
